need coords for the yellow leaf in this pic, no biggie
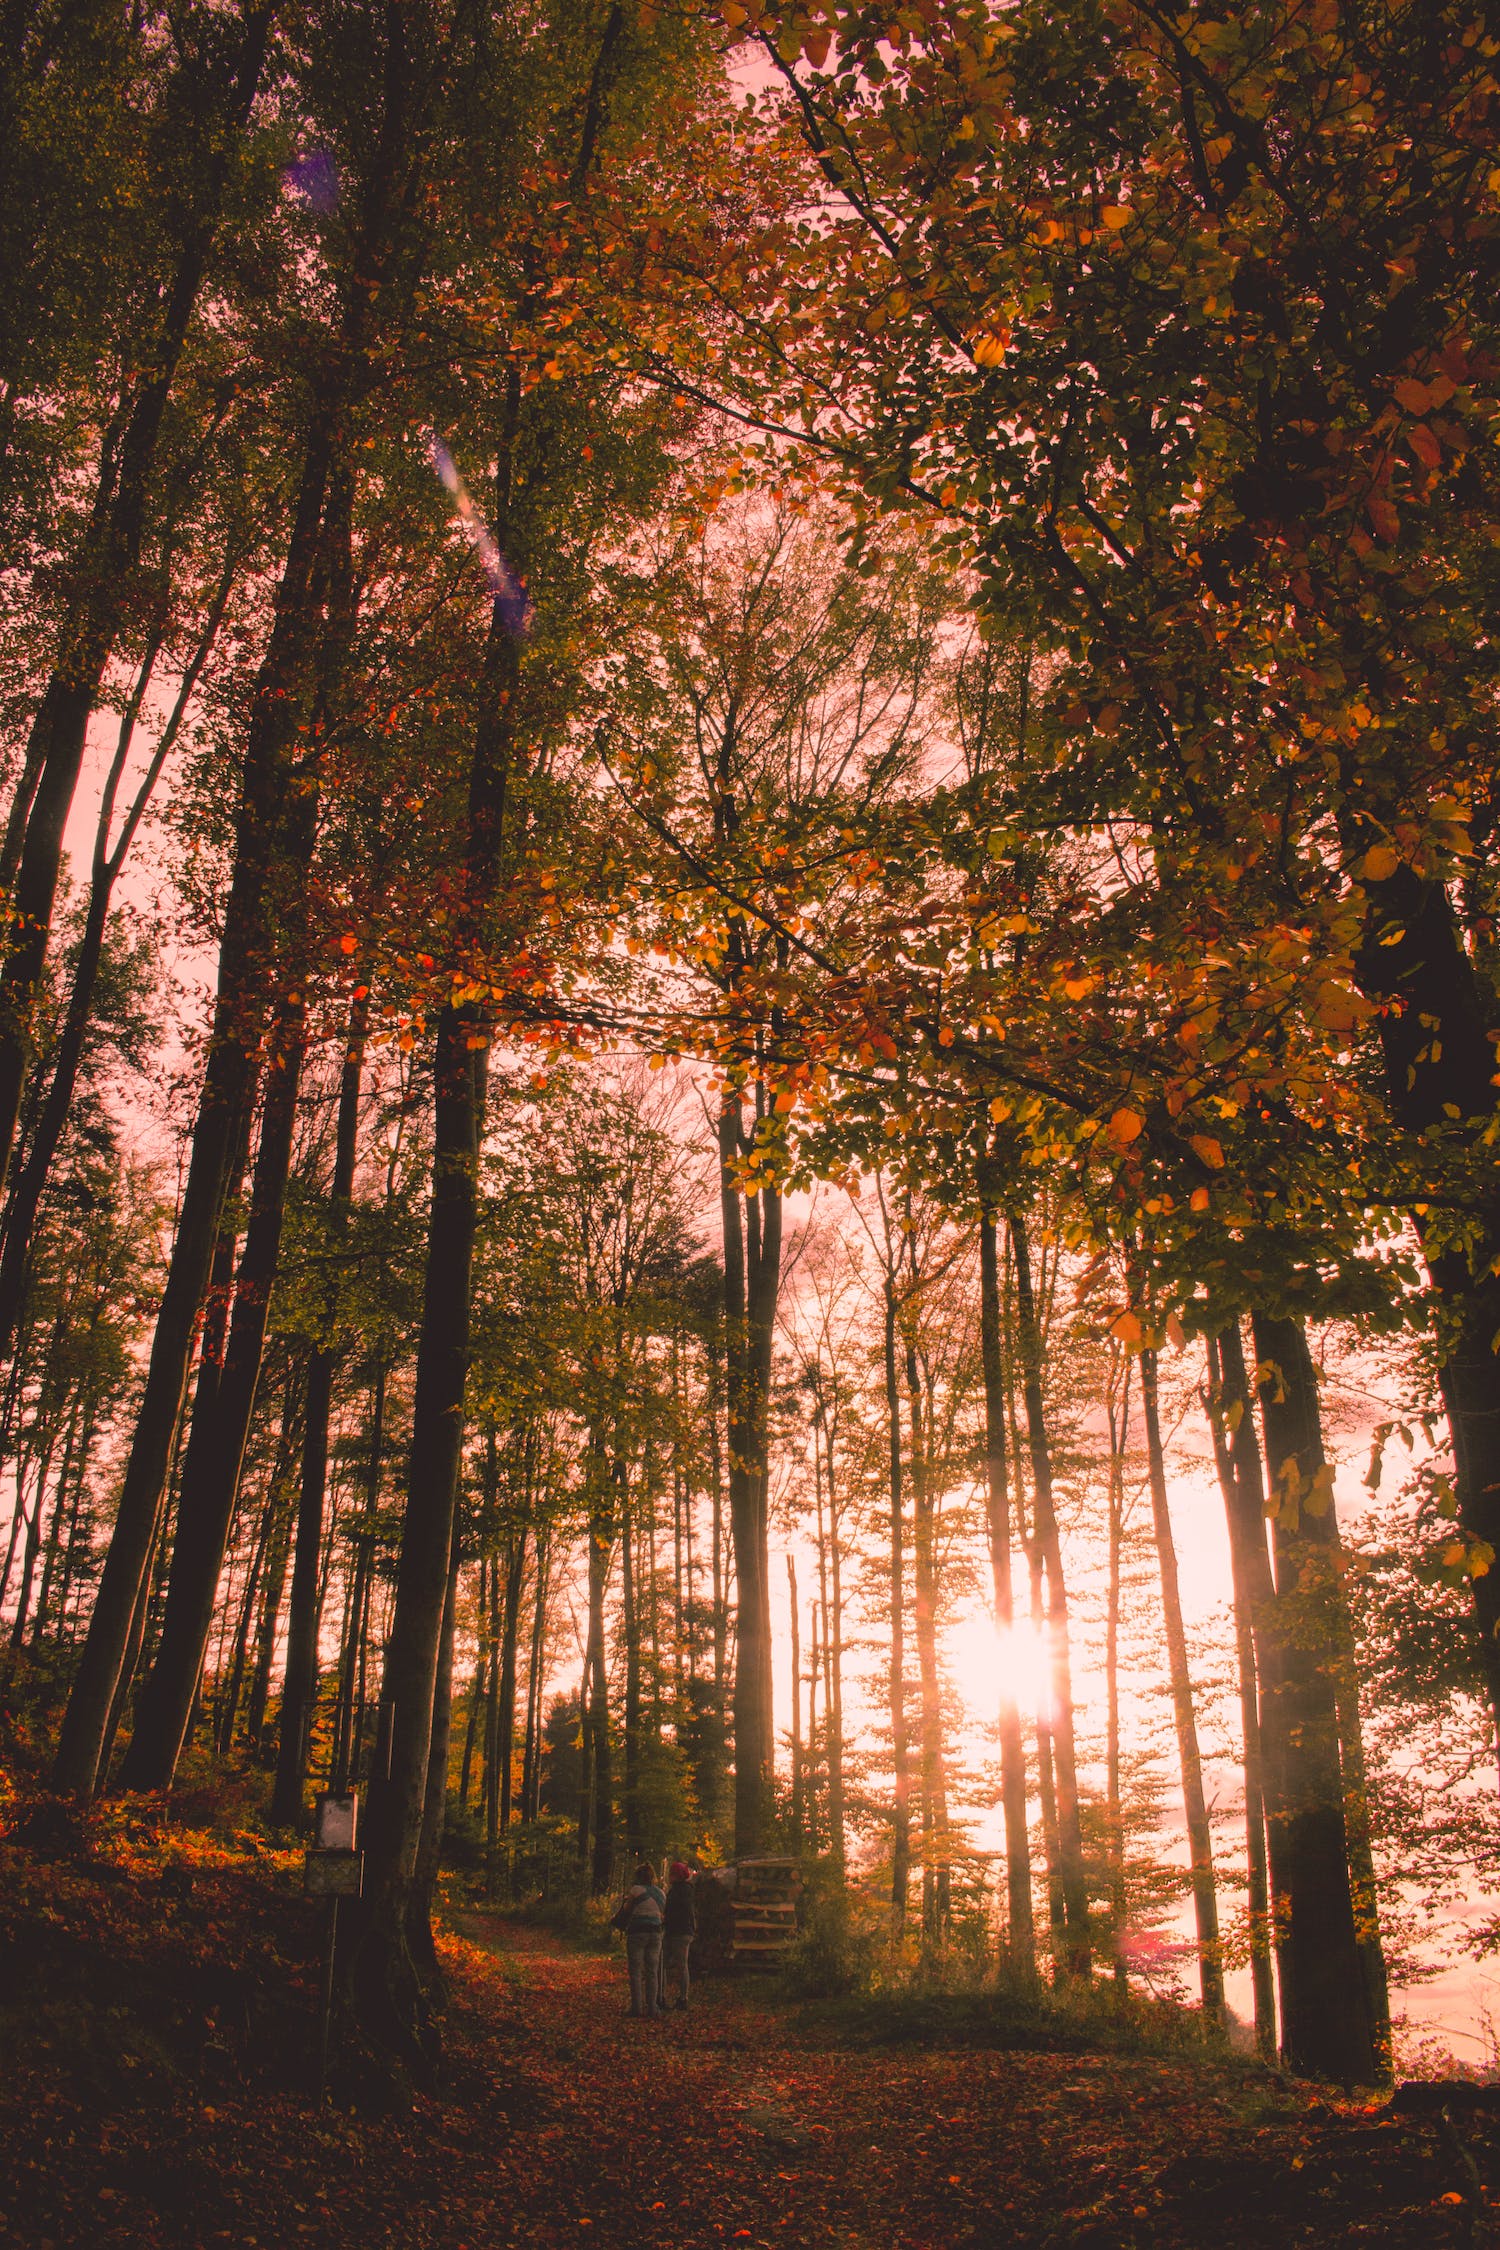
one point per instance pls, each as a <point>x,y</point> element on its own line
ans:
<point>1114,216</point>
<point>989,348</point>
<point>1126,1329</point>
<point>1379,864</point>
<point>999,1110</point>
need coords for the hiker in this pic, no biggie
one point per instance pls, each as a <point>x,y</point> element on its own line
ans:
<point>679,1928</point>
<point>640,1916</point>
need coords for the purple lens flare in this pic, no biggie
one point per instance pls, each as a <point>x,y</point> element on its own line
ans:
<point>315,178</point>
<point>512,602</point>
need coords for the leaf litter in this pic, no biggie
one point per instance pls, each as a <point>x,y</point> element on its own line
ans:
<point>152,2027</point>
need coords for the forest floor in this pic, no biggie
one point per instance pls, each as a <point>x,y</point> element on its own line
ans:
<point>158,2023</point>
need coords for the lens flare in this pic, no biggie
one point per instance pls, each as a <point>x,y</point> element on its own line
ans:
<point>512,604</point>
<point>315,178</point>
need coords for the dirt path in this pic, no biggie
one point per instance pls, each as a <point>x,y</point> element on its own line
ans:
<point>563,2126</point>
<point>725,2126</point>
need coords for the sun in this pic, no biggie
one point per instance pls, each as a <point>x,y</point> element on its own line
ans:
<point>990,1664</point>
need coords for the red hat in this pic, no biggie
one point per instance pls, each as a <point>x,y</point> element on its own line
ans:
<point>679,1871</point>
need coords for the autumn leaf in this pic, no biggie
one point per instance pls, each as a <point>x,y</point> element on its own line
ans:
<point>1379,864</point>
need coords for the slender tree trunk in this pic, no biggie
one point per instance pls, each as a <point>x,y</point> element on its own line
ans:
<point>1020,1926</point>
<point>245,980</point>
<point>752,1274</point>
<point>531,1770</point>
<point>278,1555</point>
<point>601,1813</point>
<point>435,1794</point>
<point>510,1632</point>
<point>300,1686</point>
<point>900,1755</point>
<point>830,1576</point>
<point>1327,2030</point>
<point>799,1809</point>
<point>57,1569</point>
<point>349,1709</point>
<point>216,1448</point>
<point>31,1180</point>
<point>231,1687</point>
<point>1119,1425</point>
<point>33,1541</point>
<point>1195,1806</point>
<point>716,1559</point>
<point>1245,1513</point>
<point>935,1873</point>
<point>630,1627</point>
<point>1069,1829</point>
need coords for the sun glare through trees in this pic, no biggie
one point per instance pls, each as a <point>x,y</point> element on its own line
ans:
<point>750,1120</point>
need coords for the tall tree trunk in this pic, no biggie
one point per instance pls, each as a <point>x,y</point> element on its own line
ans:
<point>831,1591</point>
<point>1437,1037</point>
<point>435,1793</point>
<point>714,1382</point>
<point>900,1753</point>
<point>752,1277</point>
<point>1069,1829</point>
<point>348,1709</point>
<point>1195,1806</point>
<point>630,1628</point>
<point>600,1765</point>
<point>231,1686</point>
<point>510,1633</point>
<point>531,1764</point>
<point>41,1151</point>
<point>1020,1926</point>
<point>55,1567</point>
<point>1119,1425</point>
<point>300,1685</point>
<point>278,1555</point>
<point>1327,2030</point>
<point>935,1872</point>
<point>1244,1509</point>
<point>216,1447</point>
<point>392,2008</point>
<point>244,988</point>
<point>799,1809</point>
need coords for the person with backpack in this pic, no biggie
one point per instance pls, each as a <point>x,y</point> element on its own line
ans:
<point>679,1928</point>
<point>640,1917</point>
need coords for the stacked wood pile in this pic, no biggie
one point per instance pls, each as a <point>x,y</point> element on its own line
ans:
<point>747,1914</point>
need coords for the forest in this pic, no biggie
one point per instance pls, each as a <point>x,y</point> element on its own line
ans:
<point>749,996</point>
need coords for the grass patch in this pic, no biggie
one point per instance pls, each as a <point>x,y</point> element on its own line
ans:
<point>1095,2022</point>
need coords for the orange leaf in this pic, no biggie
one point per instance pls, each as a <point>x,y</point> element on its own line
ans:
<point>1125,1126</point>
<point>1207,1149</point>
<point>1414,396</point>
